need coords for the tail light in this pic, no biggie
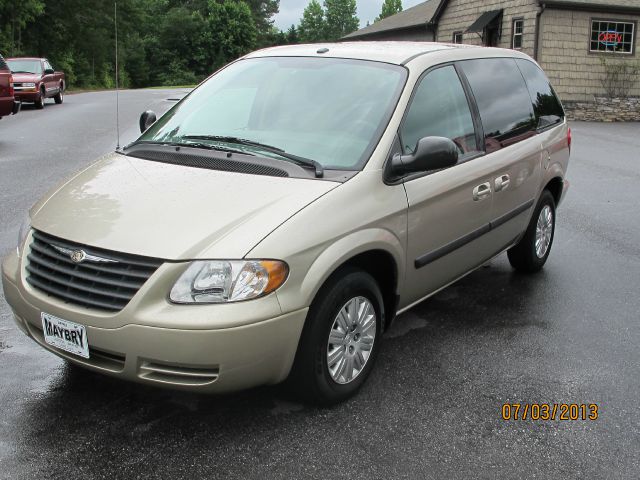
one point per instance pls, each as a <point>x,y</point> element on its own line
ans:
<point>569,138</point>
<point>11,85</point>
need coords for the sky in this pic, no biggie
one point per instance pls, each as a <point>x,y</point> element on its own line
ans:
<point>291,11</point>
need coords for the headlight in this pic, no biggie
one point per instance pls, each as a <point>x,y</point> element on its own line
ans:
<point>23,232</point>
<point>222,281</point>
<point>29,84</point>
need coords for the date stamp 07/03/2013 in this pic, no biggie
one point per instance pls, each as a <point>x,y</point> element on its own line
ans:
<point>550,411</point>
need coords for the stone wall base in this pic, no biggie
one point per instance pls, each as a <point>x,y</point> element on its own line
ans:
<point>604,109</point>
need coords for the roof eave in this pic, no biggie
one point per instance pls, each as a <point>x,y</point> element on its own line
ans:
<point>426,25</point>
<point>600,8</point>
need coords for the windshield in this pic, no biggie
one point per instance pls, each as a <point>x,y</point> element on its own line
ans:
<point>25,66</point>
<point>331,111</point>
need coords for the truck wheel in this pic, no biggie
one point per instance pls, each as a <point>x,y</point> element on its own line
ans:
<point>59,98</point>
<point>531,253</point>
<point>40,100</point>
<point>340,340</point>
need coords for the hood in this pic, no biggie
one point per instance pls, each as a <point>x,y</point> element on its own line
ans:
<point>25,77</point>
<point>173,212</point>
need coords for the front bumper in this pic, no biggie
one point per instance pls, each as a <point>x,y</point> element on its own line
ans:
<point>204,357</point>
<point>23,96</point>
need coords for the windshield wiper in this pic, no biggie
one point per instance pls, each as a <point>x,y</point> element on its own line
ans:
<point>22,71</point>
<point>204,146</point>
<point>317,166</point>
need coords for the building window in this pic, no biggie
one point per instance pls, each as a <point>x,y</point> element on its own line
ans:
<point>611,36</point>
<point>517,31</point>
<point>457,37</point>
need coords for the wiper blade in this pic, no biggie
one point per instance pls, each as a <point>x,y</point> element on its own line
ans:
<point>22,71</point>
<point>204,146</point>
<point>317,166</point>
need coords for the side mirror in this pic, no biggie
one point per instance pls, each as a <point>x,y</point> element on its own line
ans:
<point>49,71</point>
<point>147,119</point>
<point>431,153</point>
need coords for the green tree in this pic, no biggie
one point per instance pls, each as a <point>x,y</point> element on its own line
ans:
<point>313,27</point>
<point>14,17</point>
<point>262,12</point>
<point>160,42</point>
<point>390,7</point>
<point>341,18</point>
<point>232,28</point>
<point>292,35</point>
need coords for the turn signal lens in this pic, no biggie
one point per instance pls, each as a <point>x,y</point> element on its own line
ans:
<point>277,272</point>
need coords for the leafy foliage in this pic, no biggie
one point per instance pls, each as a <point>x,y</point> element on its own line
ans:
<point>389,8</point>
<point>619,77</point>
<point>160,42</point>
<point>337,19</point>
<point>313,26</point>
<point>340,18</point>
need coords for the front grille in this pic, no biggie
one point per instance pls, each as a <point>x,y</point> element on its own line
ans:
<point>104,280</point>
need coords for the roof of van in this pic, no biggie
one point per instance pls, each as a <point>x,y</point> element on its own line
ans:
<point>390,52</point>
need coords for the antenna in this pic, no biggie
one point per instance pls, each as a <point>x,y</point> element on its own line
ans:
<point>115,21</point>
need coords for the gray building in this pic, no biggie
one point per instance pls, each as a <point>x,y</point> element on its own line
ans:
<point>411,24</point>
<point>581,44</point>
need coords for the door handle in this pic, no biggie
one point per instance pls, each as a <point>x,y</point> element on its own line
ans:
<point>482,191</point>
<point>501,183</point>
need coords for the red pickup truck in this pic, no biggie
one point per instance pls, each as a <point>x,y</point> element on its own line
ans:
<point>35,80</point>
<point>8,105</point>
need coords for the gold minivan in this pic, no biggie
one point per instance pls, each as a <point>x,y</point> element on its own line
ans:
<point>271,225</point>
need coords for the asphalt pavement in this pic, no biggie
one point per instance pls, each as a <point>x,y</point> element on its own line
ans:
<point>432,406</point>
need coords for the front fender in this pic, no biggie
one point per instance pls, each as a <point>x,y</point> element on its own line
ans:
<point>305,283</point>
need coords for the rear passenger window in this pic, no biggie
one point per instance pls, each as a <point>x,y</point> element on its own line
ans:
<point>439,108</point>
<point>503,101</point>
<point>546,106</point>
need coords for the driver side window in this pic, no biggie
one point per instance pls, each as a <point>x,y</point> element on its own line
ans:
<point>439,108</point>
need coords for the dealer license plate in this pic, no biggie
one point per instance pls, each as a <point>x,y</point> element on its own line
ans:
<point>65,335</point>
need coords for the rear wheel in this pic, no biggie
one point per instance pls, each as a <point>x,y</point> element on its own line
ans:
<point>59,98</point>
<point>531,253</point>
<point>341,339</point>
<point>40,100</point>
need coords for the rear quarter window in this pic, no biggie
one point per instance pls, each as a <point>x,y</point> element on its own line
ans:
<point>546,106</point>
<point>503,101</point>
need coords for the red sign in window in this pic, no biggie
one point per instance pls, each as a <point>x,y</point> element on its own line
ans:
<point>610,38</point>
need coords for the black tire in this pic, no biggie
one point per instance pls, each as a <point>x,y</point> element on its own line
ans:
<point>59,97</point>
<point>523,256</point>
<point>40,100</point>
<point>310,379</point>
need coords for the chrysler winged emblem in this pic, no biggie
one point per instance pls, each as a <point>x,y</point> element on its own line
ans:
<point>77,256</point>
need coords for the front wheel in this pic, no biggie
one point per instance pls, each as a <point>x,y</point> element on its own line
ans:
<point>531,253</point>
<point>340,340</point>
<point>59,98</point>
<point>40,100</point>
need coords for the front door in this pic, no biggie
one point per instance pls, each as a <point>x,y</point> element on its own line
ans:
<point>449,210</point>
<point>49,79</point>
